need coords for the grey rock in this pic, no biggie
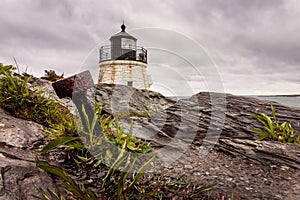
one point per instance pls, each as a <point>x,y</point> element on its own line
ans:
<point>19,176</point>
<point>188,167</point>
<point>18,133</point>
<point>120,98</point>
<point>265,152</point>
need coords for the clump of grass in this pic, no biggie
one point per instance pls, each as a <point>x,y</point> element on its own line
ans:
<point>24,100</point>
<point>78,191</point>
<point>273,130</point>
<point>122,174</point>
<point>81,146</point>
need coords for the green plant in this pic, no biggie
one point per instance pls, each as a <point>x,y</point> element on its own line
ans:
<point>24,100</point>
<point>6,69</point>
<point>116,133</point>
<point>89,149</point>
<point>70,185</point>
<point>273,130</point>
<point>121,178</point>
<point>81,147</point>
<point>52,195</point>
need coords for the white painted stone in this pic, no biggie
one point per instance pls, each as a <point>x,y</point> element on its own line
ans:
<point>124,71</point>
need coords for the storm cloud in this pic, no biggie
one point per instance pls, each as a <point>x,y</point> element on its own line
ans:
<point>254,44</point>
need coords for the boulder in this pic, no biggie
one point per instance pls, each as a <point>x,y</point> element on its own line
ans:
<point>123,99</point>
<point>20,141</point>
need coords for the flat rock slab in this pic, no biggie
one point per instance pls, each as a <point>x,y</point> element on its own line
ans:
<point>264,152</point>
<point>18,133</point>
<point>19,179</point>
<point>19,176</point>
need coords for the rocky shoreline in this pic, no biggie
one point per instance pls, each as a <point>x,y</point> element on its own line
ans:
<point>229,157</point>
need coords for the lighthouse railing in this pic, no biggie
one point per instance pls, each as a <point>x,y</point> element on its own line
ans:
<point>137,54</point>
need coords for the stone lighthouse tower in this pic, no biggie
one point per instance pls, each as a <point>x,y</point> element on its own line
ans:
<point>123,62</point>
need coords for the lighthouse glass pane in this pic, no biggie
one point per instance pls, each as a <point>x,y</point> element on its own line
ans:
<point>128,44</point>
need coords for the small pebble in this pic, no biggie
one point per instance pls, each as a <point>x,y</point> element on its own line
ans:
<point>284,167</point>
<point>188,167</point>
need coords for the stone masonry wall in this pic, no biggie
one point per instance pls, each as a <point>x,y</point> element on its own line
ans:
<point>123,71</point>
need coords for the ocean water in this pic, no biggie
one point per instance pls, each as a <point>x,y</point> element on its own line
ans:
<point>292,101</point>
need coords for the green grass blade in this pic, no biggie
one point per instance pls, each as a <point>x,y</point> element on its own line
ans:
<point>86,119</point>
<point>141,171</point>
<point>58,142</point>
<point>121,157</point>
<point>258,130</point>
<point>274,114</point>
<point>259,116</point>
<point>262,136</point>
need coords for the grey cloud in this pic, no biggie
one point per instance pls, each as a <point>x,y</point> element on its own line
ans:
<point>252,42</point>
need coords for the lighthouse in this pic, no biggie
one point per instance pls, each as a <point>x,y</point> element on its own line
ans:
<point>123,62</point>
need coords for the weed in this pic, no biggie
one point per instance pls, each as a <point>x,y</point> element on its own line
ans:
<point>52,195</point>
<point>23,100</point>
<point>77,190</point>
<point>82,146</point>
<point>273,130</point>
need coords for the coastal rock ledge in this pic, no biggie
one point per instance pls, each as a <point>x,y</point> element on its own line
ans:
<point>237,162</point>
<point>191,120</point>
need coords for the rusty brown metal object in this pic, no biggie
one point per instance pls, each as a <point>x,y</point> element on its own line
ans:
<point>75,87</point>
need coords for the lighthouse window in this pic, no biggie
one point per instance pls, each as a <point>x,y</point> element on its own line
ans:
<point>127,43</point>
<point>129,83</point>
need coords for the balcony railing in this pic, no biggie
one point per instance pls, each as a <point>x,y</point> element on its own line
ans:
<point>136,54</point>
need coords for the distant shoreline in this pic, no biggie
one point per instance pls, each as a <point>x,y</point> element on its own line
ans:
<point>280,95</point>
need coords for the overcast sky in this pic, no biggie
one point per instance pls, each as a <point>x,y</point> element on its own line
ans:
<point>255,44</point>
